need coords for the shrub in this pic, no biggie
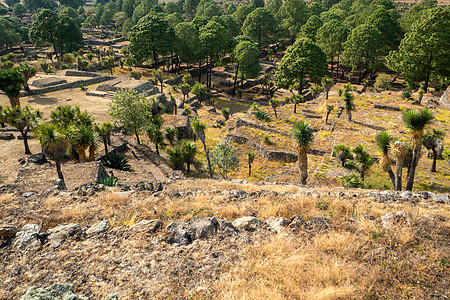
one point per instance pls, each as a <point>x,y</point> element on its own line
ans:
<point>68,58</point>
<point>267,140</point>
<point>406,94</point>
<point>351,180</point>
<point>116,161</point>
<point>226,113</point>
<point>382,82</point>
<point>224,158</point>
<point>109,181</point>
<point>176,157</point>
<point>261,115</point>
<point>254,106</point>
<point>136,74</point>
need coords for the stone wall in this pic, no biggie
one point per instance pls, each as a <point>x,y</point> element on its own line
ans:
<point>241,122</point>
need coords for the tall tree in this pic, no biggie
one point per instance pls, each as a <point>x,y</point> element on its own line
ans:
<point>187,41</point>
<point>24,119</point>
<point>331,38</point>
<point>303,63</point>
<point>152,36</point>
<point>246,55</point>
<point>9,32</point>
<point>242,12</point>
<point>291,17</point>
<point>260,26</point>
<point>362,48</point>
<point>224,158</point>
<point>304,136</point>
<point>424,51</point>
<point>389,27</point>
<point>309,29</point>
<point>11,81</point>
<point>416,121</point>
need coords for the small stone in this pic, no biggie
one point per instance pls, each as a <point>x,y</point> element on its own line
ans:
<point>27,194</point>
<point>400,218</point>
<point>59,234</point>
<point>38,158</point>
<point>100,227</point>
<point>279,224</point>
<point>7,231</point>
<point>319,223</point>
<point>247,223</point>
<point>406,194</point>
<point>147,226</point>
<point>28,237</point>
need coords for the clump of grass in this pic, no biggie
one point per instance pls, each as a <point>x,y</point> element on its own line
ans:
<point>352,180</point>
<point>109,181</point>
<point>262,116</point>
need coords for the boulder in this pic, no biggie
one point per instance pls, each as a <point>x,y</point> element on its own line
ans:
<point>318,223</point>
<point>6,136</point>
<point>406,194</point>
<point>247,223</point>
<point>279,224</point>
<point>177,233</point>
<point>147,226</point>
<point>197,228</point>
<point>28,237</point>
<point>38,158</point>
<point>60,233</point>
<point>442,198</point>
<point>100,227</point>
<point>400,218</point>
<point>7,231</point>
<point>57,291</point>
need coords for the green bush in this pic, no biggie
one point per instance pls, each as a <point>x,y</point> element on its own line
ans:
<point>382,83</point>
<point>116,161</point>
<point>261,115</point>
<point>406,94</point>
<point>109,181</point>
<point>176,157</point>
<point>351,180</point>
<point>68,58</point>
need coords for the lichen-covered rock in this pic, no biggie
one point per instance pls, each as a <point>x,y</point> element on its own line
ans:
<point>318,223</point>
<point>57,235</point>
<point>279,224</point>
<point>442,198</point>
<point>7,231</point>
<point>147,226</point>
<point>28,237</point>
<point>100,227</point>
<point>58,291</point>
<point>400,218</point>
<point>247,223</point>
<point>197,228</point>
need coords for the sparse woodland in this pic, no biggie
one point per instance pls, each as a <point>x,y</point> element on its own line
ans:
<point>304,147</point>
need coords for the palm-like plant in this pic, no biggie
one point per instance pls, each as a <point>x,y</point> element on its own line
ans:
<point>199,129</point>
<point>174,103</point>
<point>349,106</point>
<point>24,119</point>
<point>185,89</point>
<point>398,150</point>
<point>274,102</point>
<point>297,99</point>
<point>327,83</point>
<point>250,159</point>
<point>171,133</point>
<point>416,121</point>
<point>342,152</point>
<point>383,141</point>
<point>80,138</point>
<point>189,150</point>
<point>159,76</point>
<point>431,140</point>
<point>54,144</point>
<point>363,159</point>
<point>104,130</point>
<point>155,135</point>
<point>304,136</point>
<point>329,110</point>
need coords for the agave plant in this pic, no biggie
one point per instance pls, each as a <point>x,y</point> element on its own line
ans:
<point>116,161</point>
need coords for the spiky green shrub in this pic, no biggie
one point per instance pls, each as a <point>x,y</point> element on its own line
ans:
<point>351,180</point>
<point>109,181</point>
<point>116,161</point>
<point>261,115</point>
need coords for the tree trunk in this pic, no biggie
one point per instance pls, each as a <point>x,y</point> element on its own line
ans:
<point>326,93</point>
<point>81,154</point>
<point>295,106</point>
<point>27,88</point>
<point>349,113</point>
<point>200,71</point>
<point>391,176</point>
<point>137,136</point>
<point>235,79</point>
<point>58,170</point>
<point>207,158</point>
<point>398,174</point>
<point>14,101</point>
<point>188,164</point>
<point>105,142</point>
<point>433,166</point>
<point>25,141</point>
<point>155,58</point>
<point>91,153</point>
<point>326,118</point>
<point>249,169</point>
<point>157,149</point>
<point>414,162</point>
<point>275,111</point>
<point>332,64</point>
<point>303,165</point>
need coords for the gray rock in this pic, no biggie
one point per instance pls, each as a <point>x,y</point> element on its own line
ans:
<point>6,136</point>
<point>38,158</point>
<point>202,228</point>
<point>147,226</point>
<point>111,297</point>
<point>27,194</point>
<point>177,233</point>
<point>100,227</point>
<point>400,218</point>
<point>406,194</point>
<point>7,231</point>
<point>369,217</point>
<point>297,223</point>
<point>247,223</point>
<point>279,224</point>
<point>59,234</point>
<point>58,291</point>
<point>60,186</point>
<point>318,223</point>
<point>28,237</point>
<point>442,198</point>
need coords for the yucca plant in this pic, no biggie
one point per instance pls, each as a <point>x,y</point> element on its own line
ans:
<point>363,159</point>
<point>261,115</point>
<point>349,106</point>
<point>383,141</point>
<point>109,181</point>
<point>342,153</point>
<point>304,136</point>
<point>226,113</point>
<point>117,161</point>
<point>250,159</point>
<point>416,121</point>
<point>431,140</point>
